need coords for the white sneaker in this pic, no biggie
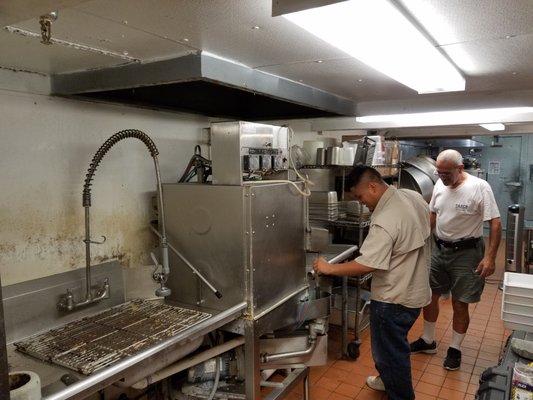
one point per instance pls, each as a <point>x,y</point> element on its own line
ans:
<point>375,382</point>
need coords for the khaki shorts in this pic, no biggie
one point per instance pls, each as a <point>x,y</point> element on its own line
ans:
<point>454,270</point>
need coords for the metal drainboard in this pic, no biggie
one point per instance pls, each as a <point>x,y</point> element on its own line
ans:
<point>96,342</point>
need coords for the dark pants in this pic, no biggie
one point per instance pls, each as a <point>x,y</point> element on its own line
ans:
<point>389,325</point>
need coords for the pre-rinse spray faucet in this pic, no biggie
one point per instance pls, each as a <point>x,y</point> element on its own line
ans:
<point>67,302</point>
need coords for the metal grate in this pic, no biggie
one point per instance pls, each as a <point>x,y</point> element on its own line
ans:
<point>92,343</point>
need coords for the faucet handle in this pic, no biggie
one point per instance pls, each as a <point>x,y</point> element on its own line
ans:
<point>104,290</point>
<point>159,277</point>
<point>156,276</point>
<point>66,301</point>
<point>96,242</point>
<point>154,259</point>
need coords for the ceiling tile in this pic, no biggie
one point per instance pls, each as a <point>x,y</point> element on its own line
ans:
<point>28,54</point>
<point>455,21</point>
<point>504,64</point>
<point>222,27</point>
<point>78,27</point>
<point>342,77</point>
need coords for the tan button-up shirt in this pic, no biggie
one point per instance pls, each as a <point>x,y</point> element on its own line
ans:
<point>397,247</point>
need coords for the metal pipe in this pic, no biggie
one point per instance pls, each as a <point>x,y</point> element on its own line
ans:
<point>87,241</point>
<point>358,285</point>
<point>294,377</point>
<point>344,316</point>
<point>271,384</point>
<point>4,376</point>
<point>357,302</point>
<point>344,255</point>
<point>86,386</point>
<point>161,210</point>
<point>188,363</point>
<point>193,269</point>
<point>266,358</point>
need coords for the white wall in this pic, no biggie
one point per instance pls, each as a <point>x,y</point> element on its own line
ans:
<point>46,146</point>
<point>303,130</point>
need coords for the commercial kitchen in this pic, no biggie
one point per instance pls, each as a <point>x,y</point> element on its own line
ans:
<point>183,181</point>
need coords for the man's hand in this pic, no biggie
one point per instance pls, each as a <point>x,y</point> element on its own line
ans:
<point>486,267</point>
<point>321,266</point>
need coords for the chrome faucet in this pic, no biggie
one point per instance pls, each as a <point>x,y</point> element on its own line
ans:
<point>67,302</point>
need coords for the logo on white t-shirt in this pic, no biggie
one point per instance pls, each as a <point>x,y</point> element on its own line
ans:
<point>461,207</point>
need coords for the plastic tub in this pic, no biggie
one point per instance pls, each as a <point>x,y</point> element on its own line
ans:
<point>518,308</point>
<point>517,301</point>
<point>518,284</point>
<point>520,300</point>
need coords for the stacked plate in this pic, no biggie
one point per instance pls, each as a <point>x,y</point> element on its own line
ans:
<point>353,211</point>
<point>324,206</point>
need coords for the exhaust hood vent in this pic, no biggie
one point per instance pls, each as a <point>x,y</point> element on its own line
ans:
<point>204,84</point>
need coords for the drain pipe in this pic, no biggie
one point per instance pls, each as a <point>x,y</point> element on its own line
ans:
<point>267,358</point>
<point>315,328</point>
<point>189,362</point>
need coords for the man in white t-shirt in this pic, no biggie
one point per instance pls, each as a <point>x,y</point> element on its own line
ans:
<point>459,263</point>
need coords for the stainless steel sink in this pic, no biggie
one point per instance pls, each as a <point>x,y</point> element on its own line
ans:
<point>60,382</point>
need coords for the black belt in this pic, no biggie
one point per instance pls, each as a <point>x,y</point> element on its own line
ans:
<point>468,243</point>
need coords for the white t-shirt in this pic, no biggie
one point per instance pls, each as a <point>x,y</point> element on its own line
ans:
<point>461,211</point>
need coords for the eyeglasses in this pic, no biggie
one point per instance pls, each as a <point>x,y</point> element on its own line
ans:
<point>440,173</point>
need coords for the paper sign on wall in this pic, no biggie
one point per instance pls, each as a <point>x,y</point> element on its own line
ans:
<point>494,167</point>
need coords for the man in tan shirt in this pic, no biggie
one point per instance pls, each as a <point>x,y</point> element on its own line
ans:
<point>396,251</point>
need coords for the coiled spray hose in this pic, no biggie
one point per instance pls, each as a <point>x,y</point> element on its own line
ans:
<point>99,155</point>
<point>117,137</point>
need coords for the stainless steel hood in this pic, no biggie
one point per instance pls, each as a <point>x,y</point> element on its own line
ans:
<point>205,84</point>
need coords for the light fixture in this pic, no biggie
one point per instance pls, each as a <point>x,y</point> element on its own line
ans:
<point>493,127</point>
<point>399,51</point>
<point>439,118</point>
<point>256,27</point>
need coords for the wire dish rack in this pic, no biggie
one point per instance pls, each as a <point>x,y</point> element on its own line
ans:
<point>96,342</point>
<point>342,213</point>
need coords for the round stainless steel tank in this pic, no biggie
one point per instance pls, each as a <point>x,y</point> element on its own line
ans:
<point>419,175</point>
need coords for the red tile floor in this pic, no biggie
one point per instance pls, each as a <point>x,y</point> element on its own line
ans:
<point>344,379</point>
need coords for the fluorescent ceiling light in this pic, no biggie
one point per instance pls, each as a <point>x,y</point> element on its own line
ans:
<point>493,127</point>
<point>395,47</point>
<point>458,117</point>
